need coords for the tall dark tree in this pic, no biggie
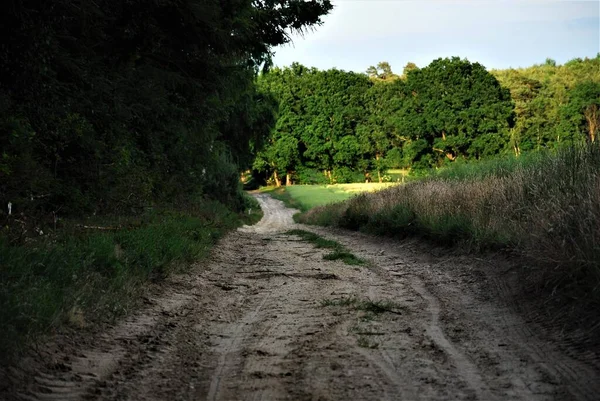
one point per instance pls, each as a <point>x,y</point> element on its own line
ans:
<point>115,105</point>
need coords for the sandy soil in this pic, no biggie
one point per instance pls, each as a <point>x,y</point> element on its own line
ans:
<point>266,318</point>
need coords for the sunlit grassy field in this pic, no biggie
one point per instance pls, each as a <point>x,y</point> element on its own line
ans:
<point>305,197</point>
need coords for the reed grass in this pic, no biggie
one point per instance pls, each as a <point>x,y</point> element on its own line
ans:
<point>545,206</point>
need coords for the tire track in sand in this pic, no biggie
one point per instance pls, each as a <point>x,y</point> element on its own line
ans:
<point>233,346</point>
<point>466,368</point>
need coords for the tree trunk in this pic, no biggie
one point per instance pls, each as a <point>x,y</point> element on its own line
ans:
<point>513,138</point>
<point>378,169</point>
<point>276,178</point>
<point>288,179</point>
<point>592,115</point>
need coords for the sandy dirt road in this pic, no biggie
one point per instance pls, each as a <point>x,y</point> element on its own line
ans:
<point>266,318</point>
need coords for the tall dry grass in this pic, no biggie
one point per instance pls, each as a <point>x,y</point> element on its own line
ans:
<point>545,206</point>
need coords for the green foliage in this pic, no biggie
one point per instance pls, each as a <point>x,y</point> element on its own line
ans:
<point>318,115</point>
<point>454,109</point>
<point>365,305</point>
<point>118,106</point>
<point>581,116</point>
<point>310,176</point>
<point>542,95</point>
<point>341,127</point>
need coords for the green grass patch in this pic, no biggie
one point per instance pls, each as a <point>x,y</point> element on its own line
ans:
<point>370,310</point>
<point>346,257</point>
<point>366,342</point>
<point>339,252</point>
<point>80,277</point>
<point>306,197</point>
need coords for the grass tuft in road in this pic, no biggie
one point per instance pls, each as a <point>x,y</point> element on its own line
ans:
<point>346,257</point>
<point>339,252</point>
<point>370,310</point>
<point>365,342</point>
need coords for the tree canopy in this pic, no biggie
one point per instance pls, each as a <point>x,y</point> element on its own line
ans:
<point>115,105</point>
<point>337,126</point>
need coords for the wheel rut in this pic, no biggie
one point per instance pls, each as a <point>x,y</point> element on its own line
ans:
<point>266,318</point>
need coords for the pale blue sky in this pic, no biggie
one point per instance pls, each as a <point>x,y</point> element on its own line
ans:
<point>498,34</point>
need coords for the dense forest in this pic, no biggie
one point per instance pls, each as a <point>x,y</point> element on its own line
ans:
<point>336,126</point>
<point>115,106</point>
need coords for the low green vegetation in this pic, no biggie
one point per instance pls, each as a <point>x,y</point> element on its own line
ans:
<point>346,257</point>
<point>545,206</point>
<point>339,252</point>
<point>365,342</point>
<point>305,197</point>
<point>84,273</point>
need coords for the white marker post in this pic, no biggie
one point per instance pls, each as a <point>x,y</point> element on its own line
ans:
<point>9,208</point>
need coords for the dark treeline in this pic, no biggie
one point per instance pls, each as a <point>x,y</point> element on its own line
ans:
<point>117,105</point>
<point>336,126</point>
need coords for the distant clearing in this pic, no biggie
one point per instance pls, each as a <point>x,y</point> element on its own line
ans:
<point>305,197</point>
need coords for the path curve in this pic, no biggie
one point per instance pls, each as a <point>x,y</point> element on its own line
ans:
<point>267,318</point>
